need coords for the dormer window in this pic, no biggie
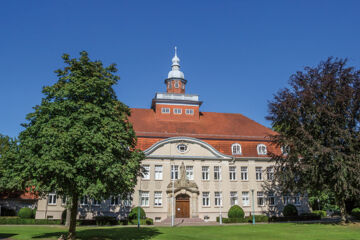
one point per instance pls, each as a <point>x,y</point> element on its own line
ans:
<point>177,111</point>
<point>165,110</point>
<point>261,149</point>
<point>236,149</point>
<point>176,85</point>
<point>189,111</point>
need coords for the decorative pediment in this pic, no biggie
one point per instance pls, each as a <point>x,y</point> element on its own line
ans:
<point>184,148</point>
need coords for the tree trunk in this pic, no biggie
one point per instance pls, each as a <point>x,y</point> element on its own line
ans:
<point>343,214</point>
<point>68,216</point>
<point>73,213</point>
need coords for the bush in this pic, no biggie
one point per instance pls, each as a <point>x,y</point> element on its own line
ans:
<point>134,212</point>
<point>8,212</point>
<point>321,213</point>
<point>18,220</point>
<point>356,213</point>
<point>258,218</point>
<point>236,212</point>
<point>290,211</point>
<point>85,222</point>
<point>25,213</point>
<point>105,220</point>
<point>149,221</point>
<point>302,217</point>
<point>34,212</point>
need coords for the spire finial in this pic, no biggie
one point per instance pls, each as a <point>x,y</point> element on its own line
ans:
<point>175,50</point>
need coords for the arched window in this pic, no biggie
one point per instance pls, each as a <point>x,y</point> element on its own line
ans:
<point>261,149</point>
<point>285,150</point>
<point>177,84</point>
<point>236,148</point>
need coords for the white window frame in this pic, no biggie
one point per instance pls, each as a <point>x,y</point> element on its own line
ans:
<point>244,173</point>
<point>271,198</point>
<point>261,149</point>
<point>205,173</point>
<point>157,198</point>
<point>260,198</point>
<point>234,198</point>
<point>84,201</point>
<point>126,200</point>
<point>174,173</point>
<point>286,200</point>
<point>245,199</point>
<point>206,199</point>
<point>63,200</point>
<point>232,173</point>
<point>297,200</point>
<point>144,198</point>
<point>114,200</point>
<point>165,110</point>
<point>158,172</point>
<point>217,173</point>
<point>177,111</point>
<point>189,111</point>
<point>146,174</point>
<point>270,173</point>
<point>189,172</point>
<point>52,199</point>
<point>95,202</point>
<point>218,199</point>
<point>236,149</point>
<point>258,173</point>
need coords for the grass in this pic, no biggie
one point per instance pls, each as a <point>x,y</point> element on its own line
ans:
<point>283,231</point>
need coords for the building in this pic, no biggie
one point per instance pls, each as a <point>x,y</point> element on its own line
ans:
<point>198,164</point>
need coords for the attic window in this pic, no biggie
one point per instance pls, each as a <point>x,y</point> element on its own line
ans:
<point>189,111</point>
<point>165,110</point>
<point>177,111</point>
<point>182,148</point>
<point>236,149</point>
<point>261,149</point>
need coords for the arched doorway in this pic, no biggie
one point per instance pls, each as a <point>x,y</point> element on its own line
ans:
<point>182,206</point>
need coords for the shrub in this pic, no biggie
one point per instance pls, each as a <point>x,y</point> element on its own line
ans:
<point>321,213</point>
<point>124,222</point>
<point>34,213</point>
<point>236,212</point>
<point>258,218</point>
<point>25,212</point>
<point>149,221</point>
<point>302,217</point>
<point>18,220</point>
<point>290,211</point>
<point>356,213</point>
<point>105,220</point>
<point>134,212</point>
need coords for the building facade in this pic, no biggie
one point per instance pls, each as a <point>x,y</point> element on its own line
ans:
<point>198,164</point>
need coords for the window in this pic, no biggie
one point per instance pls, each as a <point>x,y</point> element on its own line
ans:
<point>176,84</point>
<point>232,172</point>
<point>144,199</point>
<point>217,173</point>
<point>245,199</point>
<point>205,172</point>
<point>189,111</point>
<point>158,172</point>
<point>297,199</point>
<point>169,85</point>
<point>63,200</point>
<point>96,202</point>
<point>244,173</point>
<point>236,149</point>
<point>190,172</point>
<point>285,150</point>
<point>261,149</point>
<point>114,200</point>
<point>52,199</point>
<point>260,198</point>
<point>258,171</point>
<point>165,110</point>
<point>270,173</point>
<point>146,172</point>
<point>84,201</point>
<point>174,172</point>
<point>177,111</point>
<point>157,199</point>
<point>126,200</point>
<point>181,147</point>
<point>271,198</point>
<point>286,199</point>
<point>218,199</point>
<point>206,199</point>
<point>233,198</point>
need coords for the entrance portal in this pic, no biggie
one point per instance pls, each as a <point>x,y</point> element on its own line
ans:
<point>182,206</point>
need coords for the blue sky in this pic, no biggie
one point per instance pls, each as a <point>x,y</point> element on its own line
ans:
<point>234,54</point>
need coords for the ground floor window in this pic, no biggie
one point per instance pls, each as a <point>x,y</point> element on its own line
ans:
<point>218,199</point>
<point>52,199</point>
<point>234,198</point>
<point>158,199</point>
<point>260,198</point>
<point>84,200</point>
<point>245,199</point>
<point>114,200</point>
<point>271,198</point>
<point>206,199</point>
<point>144,199</point>
<point>297,199</point>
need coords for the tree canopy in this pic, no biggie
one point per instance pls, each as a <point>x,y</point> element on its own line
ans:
<point>78,141</point>
<point>317,119</point>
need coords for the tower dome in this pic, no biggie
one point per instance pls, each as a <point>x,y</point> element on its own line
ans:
<point>175,67</point>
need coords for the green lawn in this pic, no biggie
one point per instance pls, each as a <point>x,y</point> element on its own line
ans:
<point>286,231</point>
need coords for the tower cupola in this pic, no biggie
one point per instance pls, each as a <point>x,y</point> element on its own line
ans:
<point>175,83</point>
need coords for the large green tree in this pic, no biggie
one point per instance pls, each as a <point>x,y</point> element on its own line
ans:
<point>318,119</point>
<point>78,141</point>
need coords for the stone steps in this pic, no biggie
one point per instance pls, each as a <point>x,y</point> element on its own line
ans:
<point>182,221</point>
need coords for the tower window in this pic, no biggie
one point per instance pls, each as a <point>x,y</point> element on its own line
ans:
<point>165,110</point>
<point>176,85</point>
<point>189,111</point>
<point>177,111</point>
<point>169,85</point>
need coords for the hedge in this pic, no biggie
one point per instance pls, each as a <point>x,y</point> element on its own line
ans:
<point>321,213</point>
<point>17,220</point>
<point>290,211</point>
<point>249,219</point>
<point>147,221</point>
<point>105,220</point>
<point>7,212</point>
<point>301,217</point>
<point>356,213</point>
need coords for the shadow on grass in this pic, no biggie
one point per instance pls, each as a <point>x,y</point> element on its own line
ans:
<point>125,233</point>
<point>6,235</point>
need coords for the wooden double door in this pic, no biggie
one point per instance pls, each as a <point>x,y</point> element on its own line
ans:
<point>182,209</point>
